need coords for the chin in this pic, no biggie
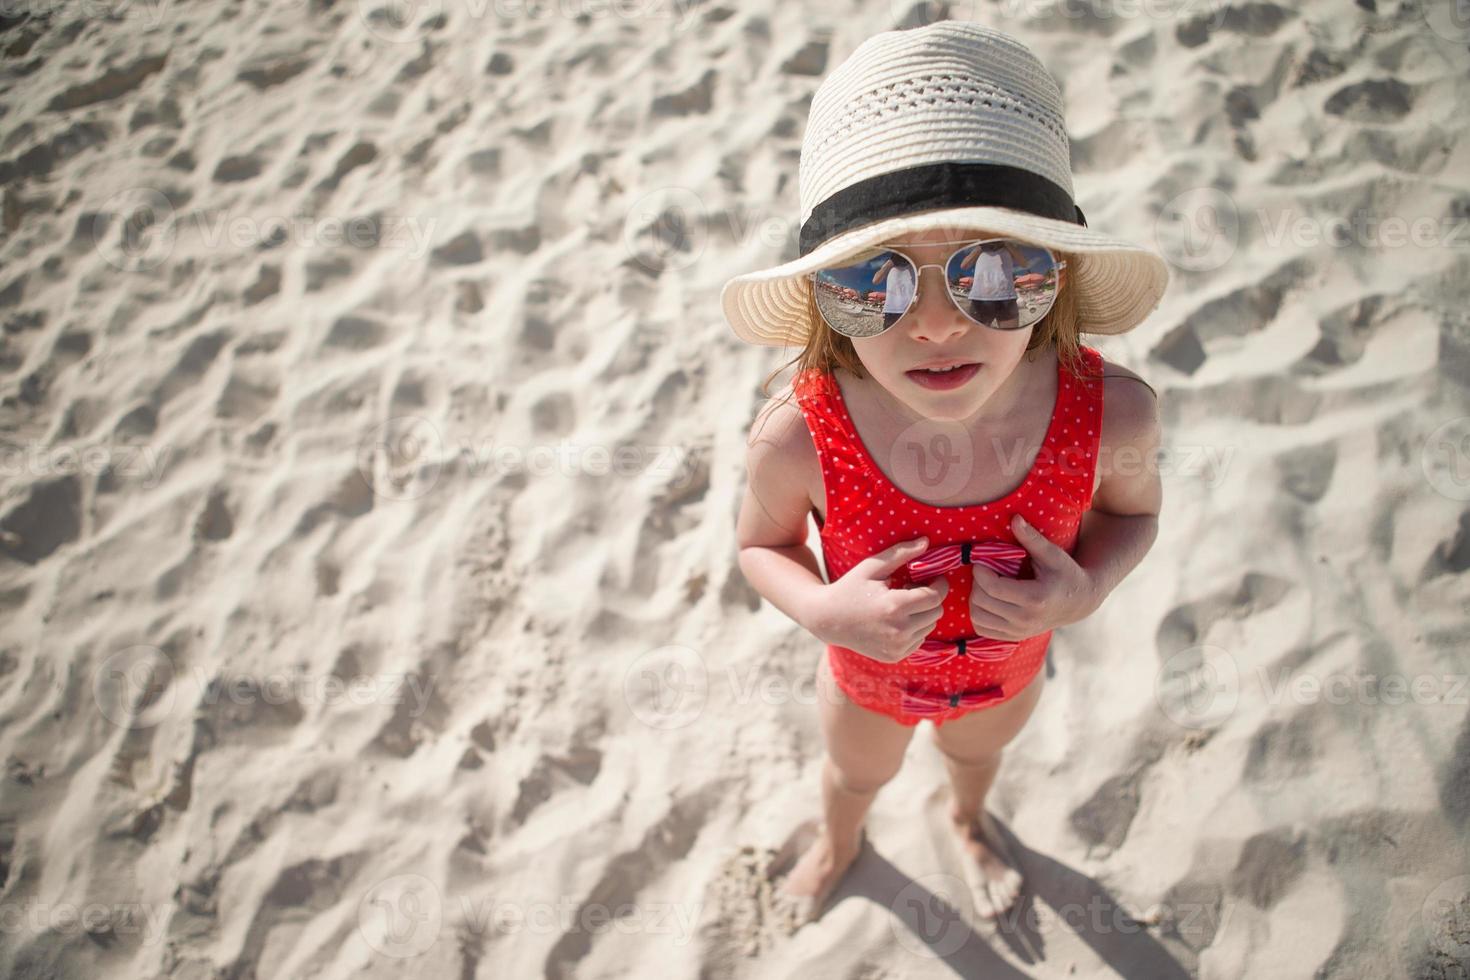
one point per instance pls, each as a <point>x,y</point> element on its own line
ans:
<point>947,414</point>
<point>953,406</point>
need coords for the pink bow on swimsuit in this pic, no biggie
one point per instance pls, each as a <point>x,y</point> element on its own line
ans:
<point>933,704</point>
<point>936,653</point>
<point>1000,557</point>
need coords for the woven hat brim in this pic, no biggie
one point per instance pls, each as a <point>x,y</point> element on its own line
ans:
<point>1117,283</point>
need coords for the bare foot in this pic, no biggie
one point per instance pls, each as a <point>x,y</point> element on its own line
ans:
<point>994,874</point>
<point>804,890</point>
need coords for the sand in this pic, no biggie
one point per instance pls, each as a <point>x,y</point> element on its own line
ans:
<point>374,444</point>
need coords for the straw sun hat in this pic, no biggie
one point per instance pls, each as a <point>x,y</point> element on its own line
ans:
<point>953,124</point>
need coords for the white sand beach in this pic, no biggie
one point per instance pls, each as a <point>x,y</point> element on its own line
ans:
<point>374,443</point>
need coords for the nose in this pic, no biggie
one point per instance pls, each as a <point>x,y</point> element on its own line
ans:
<point>935,318</point>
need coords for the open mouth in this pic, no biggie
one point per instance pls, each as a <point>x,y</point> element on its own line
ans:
<point>943,380</point>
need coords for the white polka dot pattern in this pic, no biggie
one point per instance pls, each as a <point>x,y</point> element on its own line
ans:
<point>868,513</point>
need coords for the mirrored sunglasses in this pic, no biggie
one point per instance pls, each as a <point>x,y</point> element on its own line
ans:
<point>999,283</point>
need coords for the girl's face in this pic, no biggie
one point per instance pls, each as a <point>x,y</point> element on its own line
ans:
<point>934,333</point>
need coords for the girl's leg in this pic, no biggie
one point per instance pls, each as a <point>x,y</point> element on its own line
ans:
<point>972,745</point>
<point>864,751</point>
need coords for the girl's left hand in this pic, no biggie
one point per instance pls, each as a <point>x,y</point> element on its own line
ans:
<point>1012,609</point>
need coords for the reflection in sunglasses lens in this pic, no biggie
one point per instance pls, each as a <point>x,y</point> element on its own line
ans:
<point>1002,284</point>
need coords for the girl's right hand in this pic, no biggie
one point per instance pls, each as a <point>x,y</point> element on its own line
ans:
<point>861,612</point>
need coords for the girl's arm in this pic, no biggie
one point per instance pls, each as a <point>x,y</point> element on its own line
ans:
<point>1124,520</point>
<point>1113,538</point>
<point>882,272</point>
<point>771,529</point>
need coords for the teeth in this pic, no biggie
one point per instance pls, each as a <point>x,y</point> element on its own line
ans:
<point>942,370</point>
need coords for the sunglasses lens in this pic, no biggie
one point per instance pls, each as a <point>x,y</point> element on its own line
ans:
<point>1002,284</point>
<point>865,295</point>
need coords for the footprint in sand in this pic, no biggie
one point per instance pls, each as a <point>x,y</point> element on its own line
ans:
<point>752,912</point>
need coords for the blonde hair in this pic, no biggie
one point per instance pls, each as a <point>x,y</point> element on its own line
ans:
<point>826,349</point>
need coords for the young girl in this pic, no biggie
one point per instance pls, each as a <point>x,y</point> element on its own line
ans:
<point>977,480</point>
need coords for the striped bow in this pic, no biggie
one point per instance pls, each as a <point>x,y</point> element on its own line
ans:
<point>1000,557</point>
<point>937,653</point>
<point>915,703</point>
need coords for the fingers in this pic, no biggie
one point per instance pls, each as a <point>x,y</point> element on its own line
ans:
<point>919,625</point>
<point>1003,611</point>
<point>921,598</point>
<point>1043,550</point>
<point>993,615</point>
<point>1011,591</point>
<point>922,627</point>
<point>890,559</point>
<point>989,624</point>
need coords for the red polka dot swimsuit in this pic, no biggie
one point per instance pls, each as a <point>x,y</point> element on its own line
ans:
<point>957,671</point>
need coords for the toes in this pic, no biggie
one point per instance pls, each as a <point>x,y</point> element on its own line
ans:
<point>793,912</point>
<point>797,843</point>
<point>996,895</point>
<point>994,901</point>
<point>1008,898</point>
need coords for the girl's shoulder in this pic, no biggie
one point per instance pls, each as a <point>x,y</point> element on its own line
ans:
<point>1088,365</point>
<point>811,381</point>
<point>1131,410</point>
<point>780,452</point>
<point>1116,376</point>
